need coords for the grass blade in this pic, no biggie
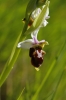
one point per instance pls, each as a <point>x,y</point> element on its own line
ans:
<point>21,94</point>
<point>10,63</point>
<point>58,84</point>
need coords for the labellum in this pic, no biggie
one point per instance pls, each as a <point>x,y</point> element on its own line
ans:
<point>36,54</point>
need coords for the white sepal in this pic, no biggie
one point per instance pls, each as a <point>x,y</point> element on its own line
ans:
<point>27,44</point>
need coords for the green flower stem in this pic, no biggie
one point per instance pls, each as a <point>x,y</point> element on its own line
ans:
<point>48,73</point>
<point>7,69</point>
<point>10,63</point>
<point>15,52</point>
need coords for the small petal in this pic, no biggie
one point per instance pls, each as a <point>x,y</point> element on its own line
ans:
<point>42,43</point>
<point>27,44</point>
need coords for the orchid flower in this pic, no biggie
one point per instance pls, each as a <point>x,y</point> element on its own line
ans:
<point>35,49</point>
<point>36,13</point>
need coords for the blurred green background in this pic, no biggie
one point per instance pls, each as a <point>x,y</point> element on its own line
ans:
<point>23,73</point>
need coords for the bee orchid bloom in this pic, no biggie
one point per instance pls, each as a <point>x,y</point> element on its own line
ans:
<point>36,13</point>
<point>35,49</point>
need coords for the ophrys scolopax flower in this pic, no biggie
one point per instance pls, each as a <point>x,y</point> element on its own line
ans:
<point>35,47</point>
<point>36,13</point>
